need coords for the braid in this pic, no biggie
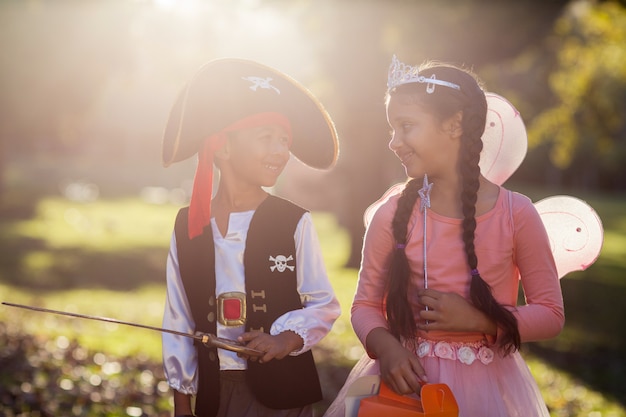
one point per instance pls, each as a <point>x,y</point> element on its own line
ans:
<point>480,291</point>
<point>399,312</point>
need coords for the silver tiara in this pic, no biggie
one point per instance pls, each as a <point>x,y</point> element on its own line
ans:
<point>400,74</point>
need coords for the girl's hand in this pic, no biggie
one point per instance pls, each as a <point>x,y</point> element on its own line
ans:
<point>275,347</point>
<point>399,367</point>
<point>449,311</point>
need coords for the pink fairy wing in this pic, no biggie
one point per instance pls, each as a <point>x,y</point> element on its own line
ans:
<point>575,232</point>
<point>504,141</point>
<point>369,212</point>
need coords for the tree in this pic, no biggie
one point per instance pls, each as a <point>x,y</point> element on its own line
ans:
<point>584,130</point>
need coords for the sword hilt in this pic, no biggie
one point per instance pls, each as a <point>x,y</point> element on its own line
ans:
<point>213,341</point>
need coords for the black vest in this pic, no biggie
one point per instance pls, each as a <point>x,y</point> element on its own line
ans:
<point>291,382</point>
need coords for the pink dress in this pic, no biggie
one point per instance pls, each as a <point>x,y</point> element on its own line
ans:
<point>511,245</point>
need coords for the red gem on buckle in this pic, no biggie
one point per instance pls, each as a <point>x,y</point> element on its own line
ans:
<point>232,309</point>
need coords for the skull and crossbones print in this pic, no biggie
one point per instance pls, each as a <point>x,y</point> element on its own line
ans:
<point>258,82</point>
<point>280,263</point>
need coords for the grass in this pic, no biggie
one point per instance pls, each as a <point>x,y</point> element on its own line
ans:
<point>107,258</point>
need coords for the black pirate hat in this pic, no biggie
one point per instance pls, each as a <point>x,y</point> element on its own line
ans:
<point>226,90</point>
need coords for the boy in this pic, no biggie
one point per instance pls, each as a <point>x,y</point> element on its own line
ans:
<point>243,264</point>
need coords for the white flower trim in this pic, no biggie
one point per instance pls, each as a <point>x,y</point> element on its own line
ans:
<point>424,349</point>
<point>465,353</point>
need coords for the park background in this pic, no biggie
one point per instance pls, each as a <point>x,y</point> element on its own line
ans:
<point>86,208</point>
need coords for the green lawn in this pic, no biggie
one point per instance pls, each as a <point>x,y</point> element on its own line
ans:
<point>107,258</point>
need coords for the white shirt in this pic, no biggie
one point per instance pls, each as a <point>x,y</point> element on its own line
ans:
<point>312,323</point>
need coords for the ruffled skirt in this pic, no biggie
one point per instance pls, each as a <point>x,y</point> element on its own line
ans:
<point>483,384</point>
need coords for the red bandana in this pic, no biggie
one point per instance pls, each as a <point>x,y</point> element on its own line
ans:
<point>200,204</point>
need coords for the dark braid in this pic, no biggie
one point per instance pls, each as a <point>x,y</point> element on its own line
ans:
<point>480,291</point>
<point>444,103</point>
<point>399,313</point>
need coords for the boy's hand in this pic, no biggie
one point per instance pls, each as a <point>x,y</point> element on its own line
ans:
<point>275,347</point>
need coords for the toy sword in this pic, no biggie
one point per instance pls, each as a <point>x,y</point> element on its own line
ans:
<point>206,339</point>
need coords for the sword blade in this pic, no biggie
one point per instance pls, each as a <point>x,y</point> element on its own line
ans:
<point>98,318</point>
<point>206,339</point>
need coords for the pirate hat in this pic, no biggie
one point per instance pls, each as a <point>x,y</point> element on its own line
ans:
<point>226,90</point>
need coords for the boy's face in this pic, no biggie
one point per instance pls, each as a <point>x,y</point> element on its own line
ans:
<point>258,155</point>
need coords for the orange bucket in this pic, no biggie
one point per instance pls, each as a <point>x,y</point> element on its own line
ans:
<point>435,400</point>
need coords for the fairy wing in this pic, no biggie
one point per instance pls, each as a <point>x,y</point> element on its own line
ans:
<point>504,140</point>
<point>369,212</point>
<point>574,228</point>
<point>575,232</point>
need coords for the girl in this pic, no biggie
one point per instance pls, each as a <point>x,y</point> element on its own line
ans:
<point>465,328</point>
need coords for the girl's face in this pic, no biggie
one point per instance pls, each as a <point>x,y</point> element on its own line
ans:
<point>258,155</point>
<point>423,143</point>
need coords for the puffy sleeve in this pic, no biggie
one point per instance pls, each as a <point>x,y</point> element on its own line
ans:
<point>367,308</point>
<point>179,353</point>
<point>320,305</point>
<point>542,316</point>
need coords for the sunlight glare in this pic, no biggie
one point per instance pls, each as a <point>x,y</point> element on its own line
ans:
<point>246,28</point>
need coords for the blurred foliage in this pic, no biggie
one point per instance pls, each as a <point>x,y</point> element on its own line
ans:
<point>586,128</point>
<point>571,91</point>
<point>46,377</point>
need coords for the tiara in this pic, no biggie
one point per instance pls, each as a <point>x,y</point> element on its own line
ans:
<point>400,73</point>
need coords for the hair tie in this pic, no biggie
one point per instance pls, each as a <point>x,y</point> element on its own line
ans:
<point>400,246</point>
<point>474,272</point>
